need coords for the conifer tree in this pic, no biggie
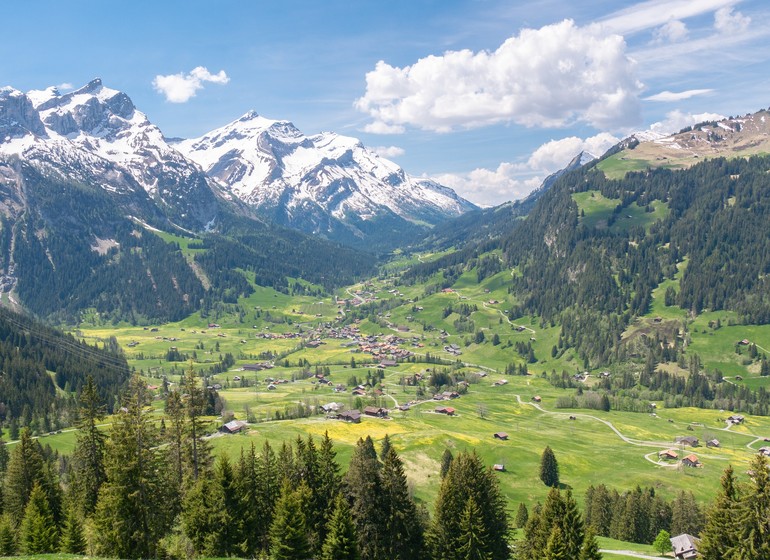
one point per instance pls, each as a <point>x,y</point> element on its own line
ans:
<point>473,536</point>
<point>38,533</point>
<point>572,527</point>
<point>686,514</point>
<point>288,533</point>
<point>195,406</point>
<point>73,540</point>
<point>132,512</point>
<point>249,514</point>
<point>402,522</point>
<point>549,468</point>
<point>7,537</point>
<point>446,461</point>
<point>468,478</point>
<point>268,491</point>
<point>203,516</point>
<point>590,548</point>
<point>556,549</point>
<point>363,487</point>
<point>754,518</point>
<point>522,515</point>
<point>720,536</point>
<point>88,457</point>
<point>175,438</point>
<point>341,542</point>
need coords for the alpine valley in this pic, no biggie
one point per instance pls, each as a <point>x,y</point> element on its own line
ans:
<point>257,288</point>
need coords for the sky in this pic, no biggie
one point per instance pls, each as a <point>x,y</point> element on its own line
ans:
<point>486,96</point>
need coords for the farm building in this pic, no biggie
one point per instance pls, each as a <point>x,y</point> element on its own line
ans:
<point>233,427</point>
<point>448,410</point>
<point>376,411</point>
<point>692,441</point>
<point>353,416</point>
<point>498,467</point>
<point>685,546</point>
<point>536,398</point>
<point>500,435</point>
<point>735,419</point>
<point>713,443</point>
<point>691,461</point>
<point>668,454</point>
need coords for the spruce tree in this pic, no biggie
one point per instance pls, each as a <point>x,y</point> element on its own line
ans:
<point>402,523</point>
<point>247,484</point>
<point>288,534</point>
<point>522,515</point>
<point>472,540</point>
<point>686,515</point>
<point>268,491</point>
<point>549,468</point>
<point>133,511</point>
<point>341,541</point>
<point>572,527</point>
<point>88,457</point>
<point>202,517</point>
<point>467,477</point>
<point>590,548</point>
<point>73,540</point>
<point>754,517</point>
<point>363,487</point>
<point>446,461</point>
<point>720,535</point>
<point>556,549</point>
<point>38,533</point>
<point>7,538</point>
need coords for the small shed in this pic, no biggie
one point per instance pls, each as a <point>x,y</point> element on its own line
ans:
<point>448,410</point>
<point>536,398</point>
<point>233,427</point>
<point>691,461</point>
<point>668,454</point>
<point>376,411</point>
<point>692,441</point>
<point>712,443</point>
<point>500,435</point>
<point>498,467</point>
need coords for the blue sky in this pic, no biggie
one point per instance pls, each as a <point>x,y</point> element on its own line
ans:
<point>488,96</point>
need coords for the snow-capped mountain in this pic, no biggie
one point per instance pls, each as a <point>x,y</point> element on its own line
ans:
<point>324,183</point>
<point>96,136</point>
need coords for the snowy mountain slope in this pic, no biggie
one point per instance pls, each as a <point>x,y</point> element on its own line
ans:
<point>96,136</point>
<point>316,183</point>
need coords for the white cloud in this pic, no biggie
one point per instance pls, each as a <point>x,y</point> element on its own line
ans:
<point>180,88</point>
<point>677,120</point>
<point>552,76</point>
<point>489,187</point>
<point>677,95</point>
<point>64,86</point>
<point>513,181</point>
<point>672,32</point>
<point>654,13</point>
<point>388,151</point>
<point>725,21</point>
<point>556,154</point>
<point>379,127</point>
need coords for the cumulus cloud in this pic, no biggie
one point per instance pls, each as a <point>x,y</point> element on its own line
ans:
<point>180,88</point>
<point>513,181</point>
<point>64,86</point>
<point>388,151</point>
<point>677,120</point>
<point>488,187</point>
<point>553,76</point>
<point>727,21</point>
<point>677,95</point>
<point>671,32</point>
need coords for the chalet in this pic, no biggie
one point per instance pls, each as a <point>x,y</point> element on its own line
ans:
<point>500,435</point>
<point>735,419</point>
<point>450,395</point>
<point>712,443</point>
<point>331,407</point>
<point>498,467</point>
<point>685,546</point>
<point>500,382</point>
<point>388,363</point>
<point>353,416</point>
<point>376,411</point>
<point>536,398</point>
<point>213,326</point>
<point>691,461</point>
<point>233,427</point>
<point>669,454</point>
<point>271,387</point>
<point>358,392</point>
<point>340,388</point>
<point>237,378</point>
<point>448,410</point>
<point>744,342</point>
<point>692,441</point>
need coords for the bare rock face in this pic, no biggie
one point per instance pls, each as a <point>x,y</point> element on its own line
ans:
<point>18,116</point>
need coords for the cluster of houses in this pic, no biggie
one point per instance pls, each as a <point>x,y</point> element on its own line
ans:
<point>354,416</point>
<point>453,349</point>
